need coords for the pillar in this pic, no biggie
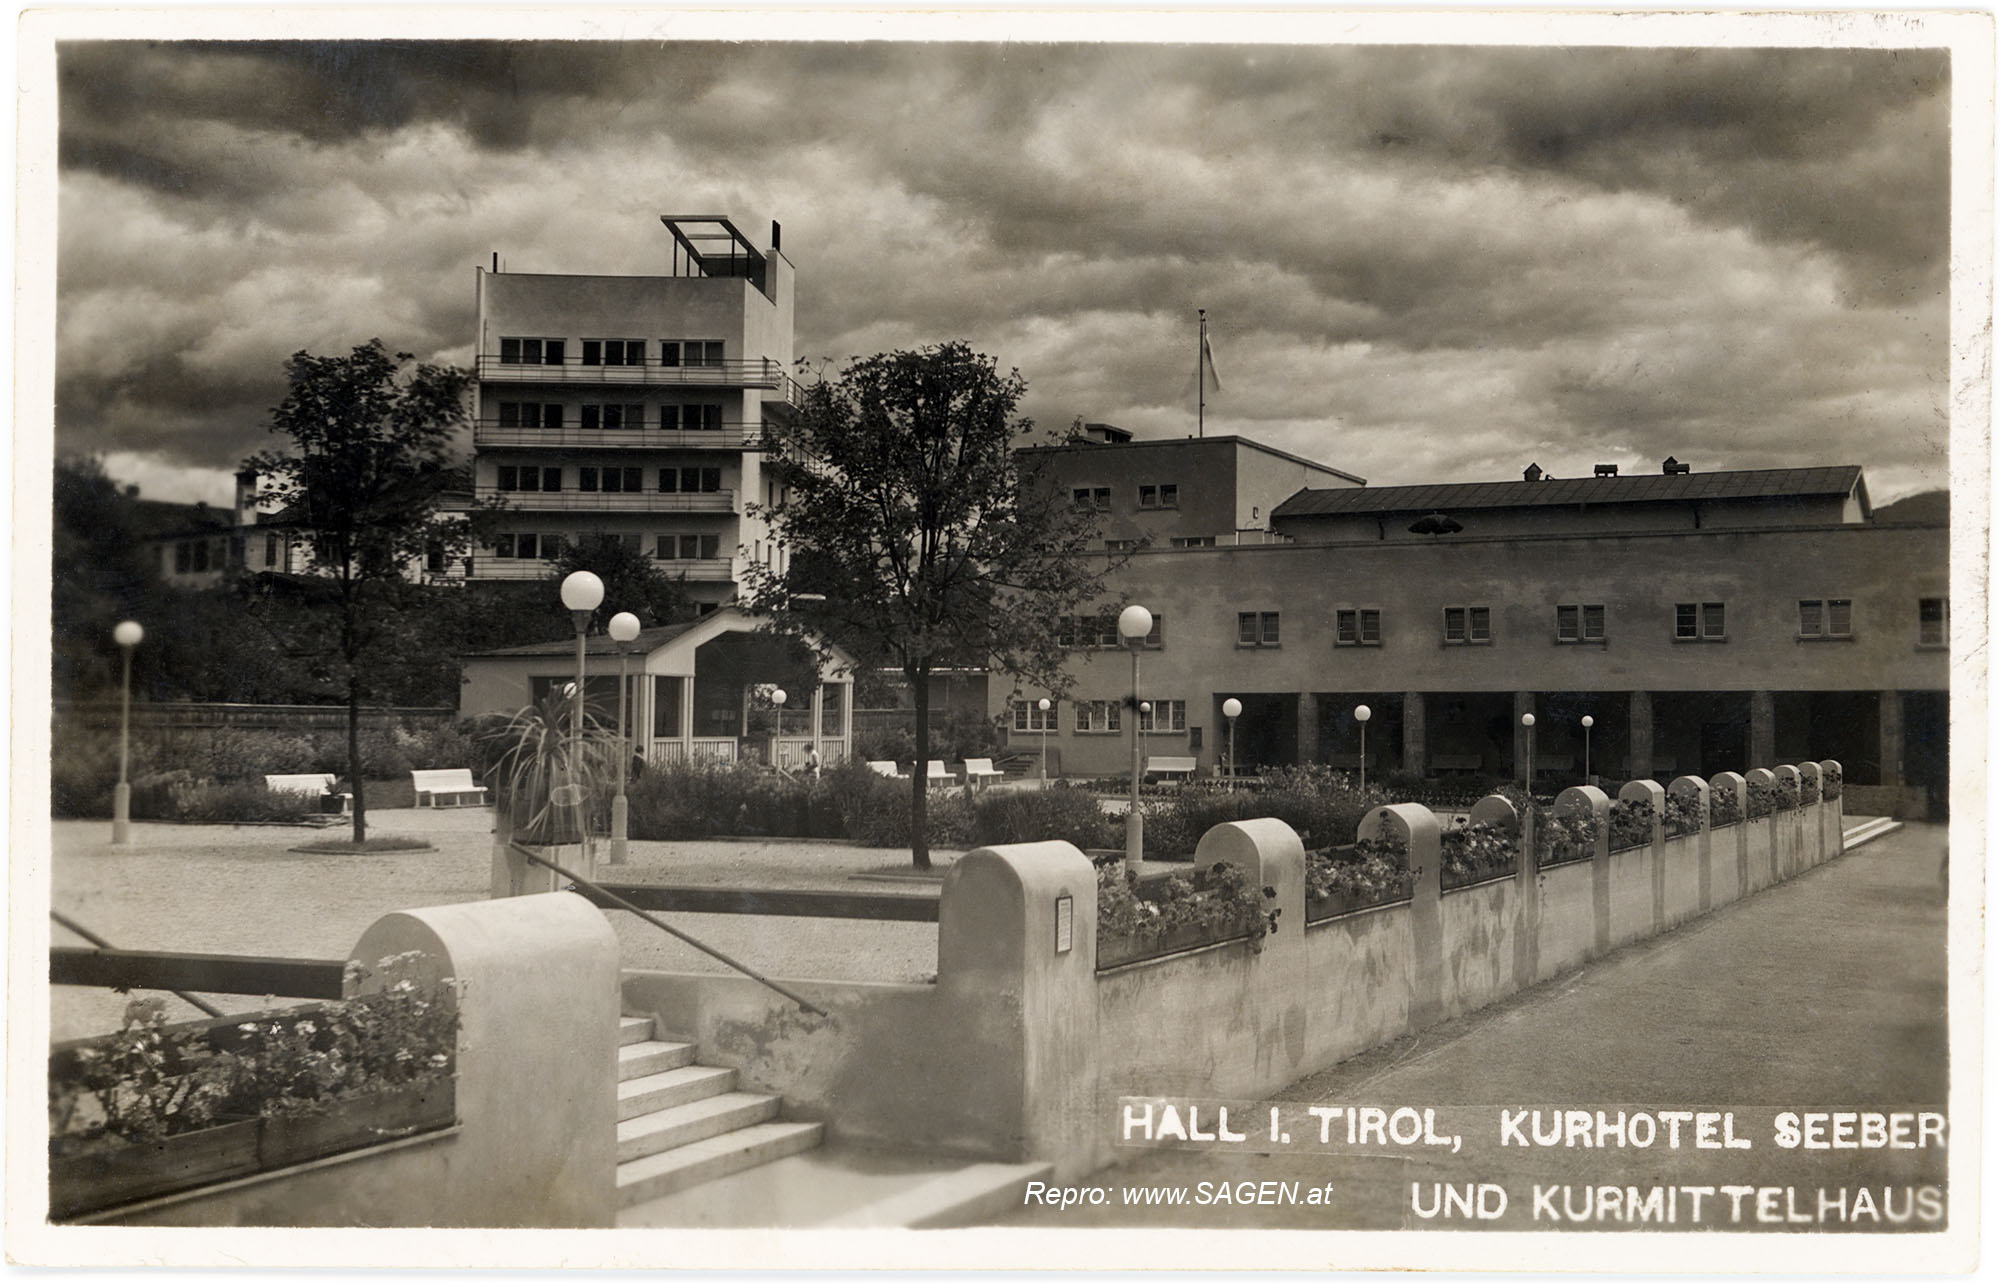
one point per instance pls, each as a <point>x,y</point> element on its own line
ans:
<point>687,716</point>
<point>1641,717</point>
<point>1308,747</point>
<point>1414,747</point>
<point>818,706</point>
<point>1889,719</point>
<point>1763,729</point>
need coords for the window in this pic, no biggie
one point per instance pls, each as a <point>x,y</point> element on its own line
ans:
<point>1193,541</point>
<point>1028,716</point>
<point>586,480</point>
<point>688,547</point>
<point>1166,717</point>
<point>527,547</point>
<point>1579,623</point>
<point>1099,717</point>
<point>614,352</point>
<point>1091,497</point>
<point>1468,625</point>
<point>531,414</point>
<point>1120,545</point>
<point>691,418</point>
<point>1933,621</point>
<point>1159,496</point>
<point>611,418</point>
<point>1358,627</point>
<point>1826,617</point>
<point>270,550</point>
<point>1698,621</point>
<point>691,352</point>
<point>518,351</point>
<point>690,480</point>
<point>610,480</point>
<point>1257,629</point>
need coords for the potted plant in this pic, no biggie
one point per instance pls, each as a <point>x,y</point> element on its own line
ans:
<point>548,787</point>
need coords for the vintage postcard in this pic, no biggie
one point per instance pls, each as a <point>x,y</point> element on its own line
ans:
<point>961,640</point>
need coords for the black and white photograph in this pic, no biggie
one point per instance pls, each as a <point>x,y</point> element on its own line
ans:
<point>812,640</point>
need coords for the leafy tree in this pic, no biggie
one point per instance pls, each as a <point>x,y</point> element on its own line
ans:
<point>632,581</point>
<point>915,540</point>
<point>369,458</point>
<point>100,574</point>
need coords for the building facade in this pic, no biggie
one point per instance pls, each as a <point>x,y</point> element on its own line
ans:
<point>1702,622</point>
<point>634,408</point>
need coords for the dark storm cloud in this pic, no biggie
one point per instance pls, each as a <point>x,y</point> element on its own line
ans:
<point>1475,246</point>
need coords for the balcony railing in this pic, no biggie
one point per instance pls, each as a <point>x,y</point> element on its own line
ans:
<point>730,436</point>
<point>705,570</point>
<point>761,373</point>
<point>597,501</point>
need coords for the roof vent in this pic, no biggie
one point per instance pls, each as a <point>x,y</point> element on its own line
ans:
<point>1674,467</point>
<point>1606,470</point>
<point>1533,472</point>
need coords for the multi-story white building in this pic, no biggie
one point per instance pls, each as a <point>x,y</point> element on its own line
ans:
<point>634,407</point>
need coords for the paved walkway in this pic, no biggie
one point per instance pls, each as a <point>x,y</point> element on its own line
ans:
<point>1826,992</point>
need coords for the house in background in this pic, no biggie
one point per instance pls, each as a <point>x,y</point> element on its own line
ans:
<point>634,408</point>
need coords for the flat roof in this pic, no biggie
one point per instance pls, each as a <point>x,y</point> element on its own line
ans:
<point>1141,442</point>
<point>1767,483</point>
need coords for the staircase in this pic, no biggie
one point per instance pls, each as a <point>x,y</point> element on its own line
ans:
<point>680,1123</point>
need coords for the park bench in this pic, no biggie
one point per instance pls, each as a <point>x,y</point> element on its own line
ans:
<point>455,783</point>
<point>978,770</point>
<point>1171,767</point>
<point>887,770</point>
<point>318,786</point>
<point>938,773</point>
<point>1455,763</point>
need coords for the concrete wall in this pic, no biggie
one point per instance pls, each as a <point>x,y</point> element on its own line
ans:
<point>536,980</point>
<point>1022,1049</point>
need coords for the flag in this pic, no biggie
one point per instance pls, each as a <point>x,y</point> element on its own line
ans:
<point>1210,380</point>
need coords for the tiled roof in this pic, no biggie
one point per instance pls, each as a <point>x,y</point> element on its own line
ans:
<point>1769,483</point>
<point>648,641</point>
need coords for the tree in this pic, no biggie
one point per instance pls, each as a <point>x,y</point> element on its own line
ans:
<point>371,435</point>
<point>99,575</point>
<point>632,581</point>
<point>914,539</point>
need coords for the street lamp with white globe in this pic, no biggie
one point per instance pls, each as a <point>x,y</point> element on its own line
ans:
<point>1528,720</point>
<point>1043,706</point>
<point>624,630</point>
<point>1232,708</point>
<point>1361,714</point>
<point>127,634</point>
<point>1134,623</point>
<point>582,593</point>
<point>778,698</point>
<point>1588,722</point>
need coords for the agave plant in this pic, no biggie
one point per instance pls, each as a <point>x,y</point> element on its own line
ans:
<point>545,782</point>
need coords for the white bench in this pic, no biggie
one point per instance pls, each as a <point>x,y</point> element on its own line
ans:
<point>316,786</point>
<point>1164,767</point>
<point>887,770</point>
<point>455,783</point>
<point>937,773</point>
<point>978,770</point>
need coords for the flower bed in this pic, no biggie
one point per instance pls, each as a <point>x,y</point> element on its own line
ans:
<point>1369,873</point>
<point>1683,814</point>
<point>1829,786</point>
<point>156,1108</point>
<point>1565,839</point>
<point>1808,789</point>
<point>1472,853</point>
<point>1631,824</point>
<point>1786,792</point>
<point>1763,796</point>
<point>1136,920</point>
<point>1723,808</point>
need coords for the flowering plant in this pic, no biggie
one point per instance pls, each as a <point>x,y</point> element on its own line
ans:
<point>1724,807</point>
<point>1570,836</point>
<point>1474,852</point>
<point>1808,789</point>
<point>1683,814</point>
<point>1372,871</point>
<point>1786,792</point>
<point>1763,793</point>
<point>1631,824</point>
<point>1220,903</point>
<point>1829,787</point>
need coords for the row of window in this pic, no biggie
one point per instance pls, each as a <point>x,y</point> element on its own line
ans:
<point>1820,618</point>
<point>1178,541</point>
<point>1102,716</point>
<point>1098,498</point>
<point>550,416</point>
<point>666,547</point>
<point>520,350</point>
<point>599,480</point>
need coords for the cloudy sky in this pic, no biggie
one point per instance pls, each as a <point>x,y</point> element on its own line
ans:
<point>1419,263</point>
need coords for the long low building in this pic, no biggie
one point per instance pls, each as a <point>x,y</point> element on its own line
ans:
<point>1698,620</point>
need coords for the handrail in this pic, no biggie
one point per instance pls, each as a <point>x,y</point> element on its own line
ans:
<point>673,931</point>
<point>102,943</point>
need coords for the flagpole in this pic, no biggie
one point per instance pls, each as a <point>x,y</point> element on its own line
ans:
<point>1200,374</point>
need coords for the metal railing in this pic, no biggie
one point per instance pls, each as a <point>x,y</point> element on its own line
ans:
<point>106,966</point>
<point>594,892</point>
<point>616,501</point>
<point>731,435</point>
<point>761,373</point>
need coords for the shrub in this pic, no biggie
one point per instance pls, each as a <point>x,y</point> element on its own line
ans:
<point>176,795</point>
<point>1045,815</point>
<point>1631,824</point>
<point>1323,806</point>
<point>1372,872</point>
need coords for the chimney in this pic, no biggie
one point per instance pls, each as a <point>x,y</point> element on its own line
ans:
<point>1606,470</point>
<point>246,496</point>
<point>1533,472</point>
<point>1674,467</point>
<point>777,236</point>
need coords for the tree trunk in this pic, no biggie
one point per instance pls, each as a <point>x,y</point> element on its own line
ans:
<point>354,755</point>
<point>920,785</point>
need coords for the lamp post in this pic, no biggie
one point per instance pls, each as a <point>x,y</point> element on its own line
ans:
<point>1043,705</point>
<point>1528,720</point>
<point>624,630</point>
<point>778,698</point>
<point>582,593</point>
<point>1232,708</point>
<point>1588,722</point>
<point>1361,714</point>
<point>127,634</point>
<point>1134,622</point>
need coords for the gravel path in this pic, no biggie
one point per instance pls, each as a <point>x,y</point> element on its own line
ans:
<point>227,889</point>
